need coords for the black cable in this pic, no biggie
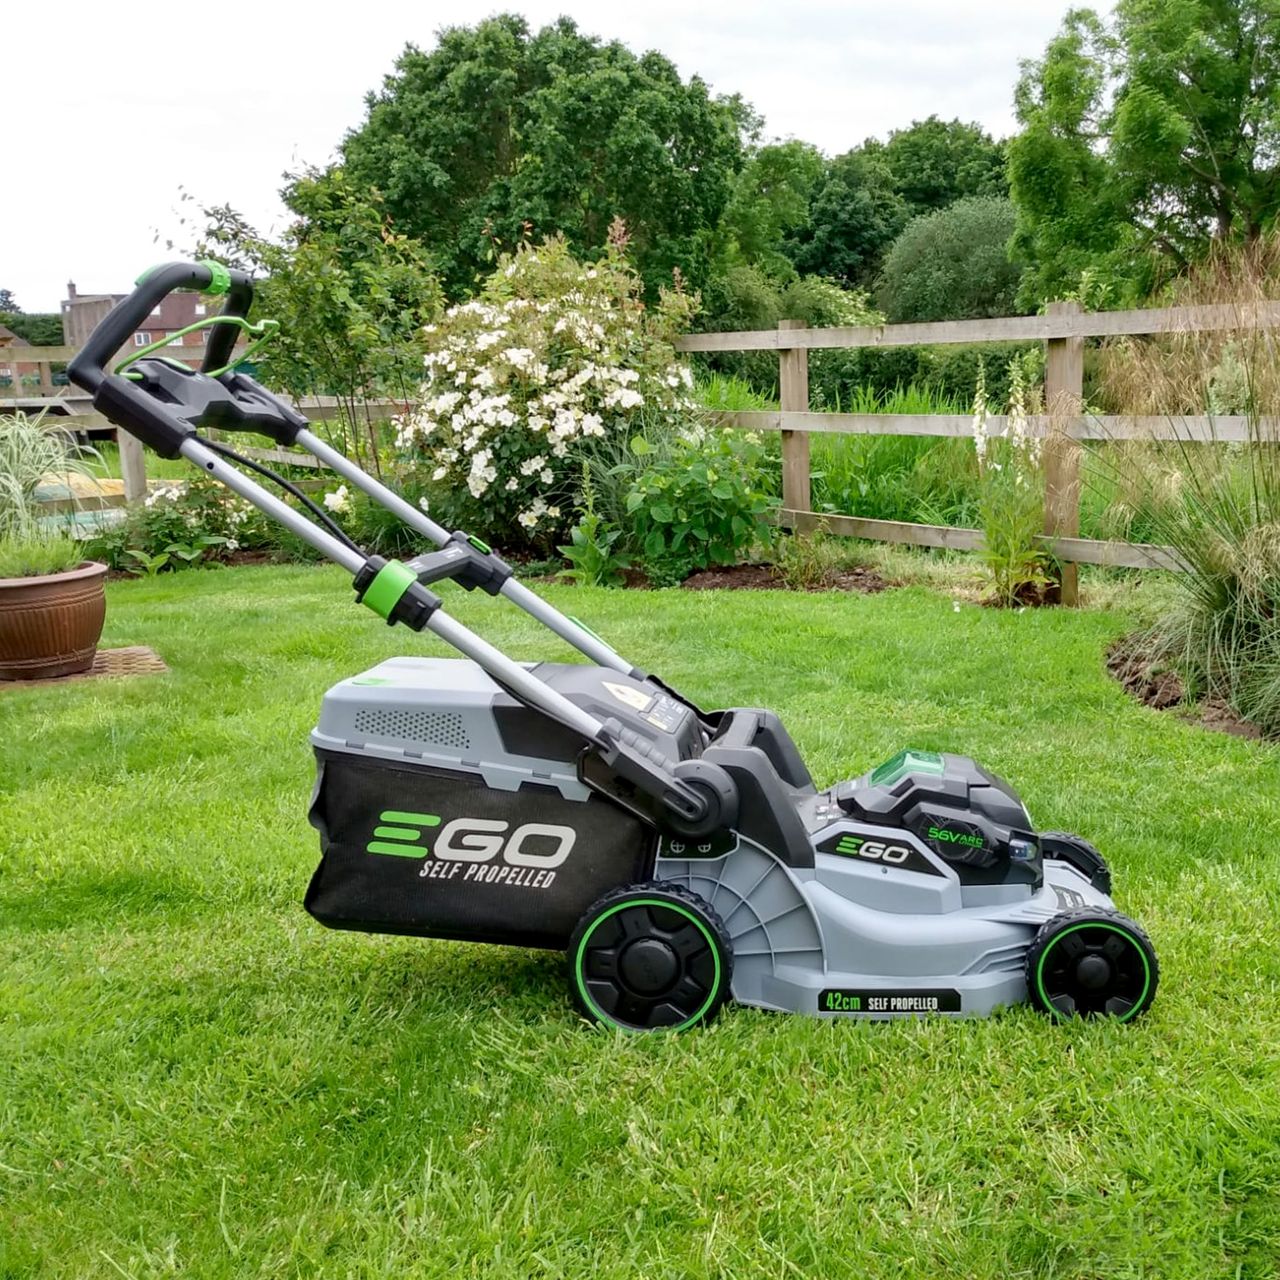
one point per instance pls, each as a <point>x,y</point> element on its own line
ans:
<point>288,486</point>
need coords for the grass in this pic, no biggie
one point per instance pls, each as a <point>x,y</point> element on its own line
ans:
<point>199,1081</point>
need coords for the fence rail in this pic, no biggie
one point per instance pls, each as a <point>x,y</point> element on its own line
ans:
<point>1063,329</point>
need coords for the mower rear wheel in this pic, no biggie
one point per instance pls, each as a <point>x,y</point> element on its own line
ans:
<point>1091,963</point>
<point>650,956</point>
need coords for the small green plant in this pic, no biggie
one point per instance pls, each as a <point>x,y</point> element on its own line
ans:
<point>144,564</point>
<point>1011,497</point>
<point>590,552</point>
<point>36,556</point>
<point>702,504</point>
<point>806,561</point>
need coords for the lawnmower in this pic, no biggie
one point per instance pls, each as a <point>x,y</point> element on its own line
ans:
<point>678,856</point>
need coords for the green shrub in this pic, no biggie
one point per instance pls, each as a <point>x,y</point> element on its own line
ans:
<point>31,451</point>
<point>952,265</point>
<point>700,503</point>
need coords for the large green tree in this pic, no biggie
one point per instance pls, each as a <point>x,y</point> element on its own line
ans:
<point>499,132</point>
<point>854,215</point>
<point>934,163</point>
<point>769,201</point>
<point>1145,137</point>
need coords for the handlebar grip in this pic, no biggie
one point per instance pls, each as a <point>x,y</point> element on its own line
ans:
<point>88,369</point>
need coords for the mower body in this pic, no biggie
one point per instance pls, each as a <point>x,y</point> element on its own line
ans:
<point>447,808</point>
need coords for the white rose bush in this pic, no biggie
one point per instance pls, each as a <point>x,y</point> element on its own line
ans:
<point>551,356</point>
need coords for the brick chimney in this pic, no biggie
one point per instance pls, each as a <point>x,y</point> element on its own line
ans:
<point>71,289</point>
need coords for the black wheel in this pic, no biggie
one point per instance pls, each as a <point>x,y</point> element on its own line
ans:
<point>648,956</point>
<point>1092,964</point>
<point>1078,853</point>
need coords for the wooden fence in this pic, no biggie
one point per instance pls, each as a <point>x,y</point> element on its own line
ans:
<point>1063,328</point>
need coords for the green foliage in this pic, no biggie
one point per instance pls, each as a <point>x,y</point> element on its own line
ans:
<point>8,303</point>
<point>351,293</point>
<point>769,201</point>
<point>701,504</point>
<point>551,358</point>
<point>183,524</point>
<point>1011,498</point>
<point>499,131</point>
<point>952,265</point>
<point>593,559</point>
<point>40,329</point>
<point>854,215</point>
<point>936,162</point>
<point>1145,137</point>
<point>26,557</point>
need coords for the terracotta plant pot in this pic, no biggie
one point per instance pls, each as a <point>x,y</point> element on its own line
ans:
<point>49,626</point>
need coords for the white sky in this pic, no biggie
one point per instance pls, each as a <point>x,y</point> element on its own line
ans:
<point>110,111</point>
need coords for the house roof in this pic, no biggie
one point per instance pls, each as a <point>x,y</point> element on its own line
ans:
<point>10,339</point>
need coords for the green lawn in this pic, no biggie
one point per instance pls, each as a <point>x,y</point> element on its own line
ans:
<point>197,1080</point>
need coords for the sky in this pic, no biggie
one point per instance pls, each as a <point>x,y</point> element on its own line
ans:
<point>109,117</point>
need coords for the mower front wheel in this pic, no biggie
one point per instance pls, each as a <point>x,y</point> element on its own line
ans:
<point>650,956</point>
<point>1090,964</point>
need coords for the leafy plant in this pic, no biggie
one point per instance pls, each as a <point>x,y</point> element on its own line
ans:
<point>144,563</point>
<point>590,551</point>
<point>22,557</point>
<point>591,554</point>
<point>806,561</point>
<point>1216,505</point>
<point>702,504</point>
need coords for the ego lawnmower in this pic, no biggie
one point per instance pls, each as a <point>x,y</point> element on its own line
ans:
<point>679,856</point>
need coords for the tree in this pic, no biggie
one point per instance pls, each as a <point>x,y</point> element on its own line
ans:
<point>854,215</point>
<point>43,329</point>
<point>8,303</point>
<point>498,134</point>
<point>350,292</point>
<point>770,200</point>
<point>934,163</point>
<point>952,265</point>
<point>1146,138</point>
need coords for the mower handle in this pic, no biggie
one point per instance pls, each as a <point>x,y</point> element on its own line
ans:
<point>89,368</point>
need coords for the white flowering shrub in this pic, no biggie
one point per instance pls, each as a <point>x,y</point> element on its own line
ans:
<point>551,356</point>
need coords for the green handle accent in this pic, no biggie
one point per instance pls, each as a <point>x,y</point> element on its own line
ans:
<point>384,592</point>
<point>582,626</point>
<point>479,544</point>
<point>220,281</point>
<point>263,332</point>
<point>221,278</point>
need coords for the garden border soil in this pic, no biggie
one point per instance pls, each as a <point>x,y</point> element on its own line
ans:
<point>1148,678</point>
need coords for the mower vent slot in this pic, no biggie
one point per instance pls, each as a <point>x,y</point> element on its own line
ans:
<point>439,728</point>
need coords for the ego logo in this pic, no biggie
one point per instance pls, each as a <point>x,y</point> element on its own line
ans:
<point>476,849</point>
<point>877,850</point>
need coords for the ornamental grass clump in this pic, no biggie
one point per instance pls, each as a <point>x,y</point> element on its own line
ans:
<point>1215,502</point>
<point>551,356</point>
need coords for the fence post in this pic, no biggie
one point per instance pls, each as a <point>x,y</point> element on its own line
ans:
<point>133,467</point>
<point>1064,394</point>
<point>793,390</point>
